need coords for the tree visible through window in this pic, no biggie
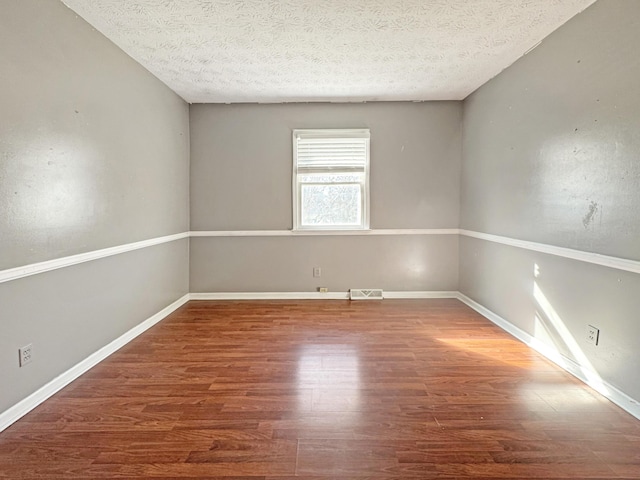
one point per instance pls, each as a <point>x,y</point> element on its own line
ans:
<point>330,179</point>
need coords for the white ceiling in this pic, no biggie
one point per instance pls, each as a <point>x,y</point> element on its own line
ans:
<point>226,51</point>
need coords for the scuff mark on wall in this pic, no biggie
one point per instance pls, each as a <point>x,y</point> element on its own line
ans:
<point>588,218</point>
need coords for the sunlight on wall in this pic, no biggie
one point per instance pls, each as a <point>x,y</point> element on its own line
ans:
<point>550,329</point>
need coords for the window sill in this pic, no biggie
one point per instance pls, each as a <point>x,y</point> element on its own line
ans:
<point>344,231</point>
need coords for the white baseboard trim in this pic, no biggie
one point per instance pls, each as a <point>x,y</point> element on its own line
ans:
<point>36,398</point>
<point>312,295</point>
<point>618,397</point>
<point>269,296</point>
<point>497,319</point>
<point>419,294</point>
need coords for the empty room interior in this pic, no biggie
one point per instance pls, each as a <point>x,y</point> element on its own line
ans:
<point>270,239</point>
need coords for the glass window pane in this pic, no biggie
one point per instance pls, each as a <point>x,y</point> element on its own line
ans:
<point>331,205</point>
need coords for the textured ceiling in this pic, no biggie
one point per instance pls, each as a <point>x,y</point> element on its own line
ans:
<point>225,51</point>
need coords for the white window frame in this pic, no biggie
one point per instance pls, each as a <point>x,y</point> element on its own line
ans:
<point>329,134</point>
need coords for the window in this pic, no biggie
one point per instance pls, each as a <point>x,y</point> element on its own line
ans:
<point>330,179</point>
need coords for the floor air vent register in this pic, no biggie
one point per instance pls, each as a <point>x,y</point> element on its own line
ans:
<point>365,294</point>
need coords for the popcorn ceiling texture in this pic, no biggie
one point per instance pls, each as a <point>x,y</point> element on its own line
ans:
<point>226,51</point>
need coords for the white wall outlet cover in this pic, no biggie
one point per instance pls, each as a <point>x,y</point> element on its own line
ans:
<point>25,355</point>
<point>593,334</point>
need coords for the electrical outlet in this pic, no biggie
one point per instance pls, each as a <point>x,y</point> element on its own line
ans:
<point>317,271</point>
<point>593,334</point>
<point>25,354</point>
<point>323,289</point>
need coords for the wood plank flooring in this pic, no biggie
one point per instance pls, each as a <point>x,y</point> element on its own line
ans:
<point>324,390</point>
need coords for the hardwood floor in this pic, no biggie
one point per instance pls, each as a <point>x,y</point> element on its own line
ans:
<point>317,390</point>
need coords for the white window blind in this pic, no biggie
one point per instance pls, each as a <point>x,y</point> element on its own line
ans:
<point>330,179</point>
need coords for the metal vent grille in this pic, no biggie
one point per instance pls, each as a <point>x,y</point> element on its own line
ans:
<point>365,294</point>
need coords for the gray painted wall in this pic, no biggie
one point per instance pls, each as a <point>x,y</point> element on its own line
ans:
<point>241,162</point>
<point>94,153</point>
<point>550,154</point>
<point>556,303</point>
<point>241,167</point>
<point>94,149</point>
<point>285,264</point>
<point>70,313</point>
